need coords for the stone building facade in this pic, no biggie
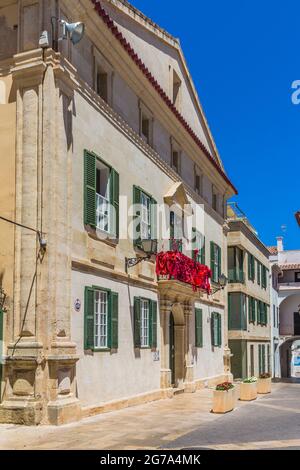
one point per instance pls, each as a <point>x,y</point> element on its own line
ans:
<point>86,131</point>
<point>249,327</point>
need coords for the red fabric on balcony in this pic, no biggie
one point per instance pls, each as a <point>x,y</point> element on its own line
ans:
<point>177,266</point>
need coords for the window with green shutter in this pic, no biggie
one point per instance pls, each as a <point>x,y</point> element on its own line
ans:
<point>198,328</point>
<point>259,312</point>
<point>258,273</point>
<point>251,267</point>
<point>101,195</point>
<point>215,261</point>
<point>251,309</point>
<point>145,323</point>
<point>153,324</point>
<point>264,277</point>
<point>264,314</point>
<point>216,329</point>
<point>259,359</point>
<point>100,319</point>
<point>237,311</point>
<point>145,217</point>
<point>198,243</point>
<point>263,358</point>
<point>89,189</point>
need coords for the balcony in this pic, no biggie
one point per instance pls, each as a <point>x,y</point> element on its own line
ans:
<point>236,276</point>
<point>289,286</point>
<point>174,265</point>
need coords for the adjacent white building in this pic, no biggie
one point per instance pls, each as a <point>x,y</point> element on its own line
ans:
<point>288,301</point>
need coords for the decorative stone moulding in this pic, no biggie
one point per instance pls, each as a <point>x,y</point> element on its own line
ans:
<point>248,391</point>
<point>264,386</point>
<point>224,401</point>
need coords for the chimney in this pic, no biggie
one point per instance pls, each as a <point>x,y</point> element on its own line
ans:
<point>279,243</point>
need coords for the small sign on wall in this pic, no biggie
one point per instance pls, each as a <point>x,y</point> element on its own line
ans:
<point>156,356</point>
<point>77,305</point>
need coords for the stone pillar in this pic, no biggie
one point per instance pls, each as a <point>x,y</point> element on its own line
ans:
<point>179,355</point>
<point>165,371</point>
<point>189,383</point>
<point>24,362</point>
<point>40,365</point>
<point>63,405</point>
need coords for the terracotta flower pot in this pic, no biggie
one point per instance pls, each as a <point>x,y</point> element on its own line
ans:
<point>264,386</point>
<point>248,391</point>
<point>224,401</point>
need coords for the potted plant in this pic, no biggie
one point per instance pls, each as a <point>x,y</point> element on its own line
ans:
<point>223,398</point>
<point>248,389</point>
<point>264,383</point>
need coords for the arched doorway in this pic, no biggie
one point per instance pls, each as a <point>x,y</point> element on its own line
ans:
<point>287,353</point>
<point>289,315</point>
<point>177,345</point>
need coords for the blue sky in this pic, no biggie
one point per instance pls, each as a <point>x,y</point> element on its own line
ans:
<point>243,57</point>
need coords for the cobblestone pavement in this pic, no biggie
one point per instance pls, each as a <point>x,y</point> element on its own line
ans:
<point>272,421</point>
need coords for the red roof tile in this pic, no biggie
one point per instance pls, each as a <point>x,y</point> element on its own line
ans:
<point>273,250</point>
<point>114,29</point>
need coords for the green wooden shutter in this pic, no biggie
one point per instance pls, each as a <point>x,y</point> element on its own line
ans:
<point>250,309</point>
<point>263,359</point>
<point>89,189</point>
<point>114,199</point>
<point>215,334</point>
<point>203,251</point>
<point>259,359</point>
<point>219,262</point>
<point>212,260</point>
<point>198,328</point>
<point>249,267</point>
<point>114,320</point>
<point>137,322</point>
<point>153,324</point>
<point>212,329</point>
<point>153,215</point>
<point>172,230</point>
<point>219,317</point>
<point>253,310</point>
<point>137,215</point>
<point>89,321</point>
<point>258,312</point>
<point>268,359</point>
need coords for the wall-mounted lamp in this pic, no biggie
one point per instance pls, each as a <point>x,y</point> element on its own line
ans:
<point>73,31</point>
<point>149,247</point>
<point>222,283</point>
<point>2,299</point>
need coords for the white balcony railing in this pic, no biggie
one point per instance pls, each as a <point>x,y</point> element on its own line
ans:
<point>289,285</point>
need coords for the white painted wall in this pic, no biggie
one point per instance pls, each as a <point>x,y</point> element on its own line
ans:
<point>208,360</point>
<point>161,59</point>
<point>102,376</point>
